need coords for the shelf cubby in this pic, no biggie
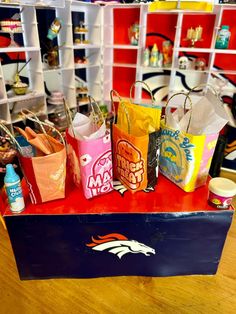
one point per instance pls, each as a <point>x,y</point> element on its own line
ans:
<point>206,21</point>
<point>123,20</point>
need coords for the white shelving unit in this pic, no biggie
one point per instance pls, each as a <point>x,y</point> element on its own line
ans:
<point>100,50</point>
<point>88,74</point>
<point>69,75</point>
<point>171,86</point>
<point>11,104</point>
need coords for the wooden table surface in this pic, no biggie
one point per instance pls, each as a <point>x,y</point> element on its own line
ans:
<point>189,294</point>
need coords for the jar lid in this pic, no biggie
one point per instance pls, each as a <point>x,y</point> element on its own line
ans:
<point>225,26</point>
<point>222,187</point>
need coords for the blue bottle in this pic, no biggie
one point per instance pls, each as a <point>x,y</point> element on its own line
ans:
<point>14,190</point>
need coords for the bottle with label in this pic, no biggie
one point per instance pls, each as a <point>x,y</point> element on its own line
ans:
<point>14,190</point>
<point>223,36</point>
<point>54,29</point>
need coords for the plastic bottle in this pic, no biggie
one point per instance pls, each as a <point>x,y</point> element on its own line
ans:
<point>154,56</point>
<point>160,60</point>
<point>146,56</point>
<point>222,40</point>
<point>54,29</point>
<point>14,190</point>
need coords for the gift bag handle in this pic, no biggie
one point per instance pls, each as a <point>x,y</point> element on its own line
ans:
<point>113,91</point>
<point>92,100</point>
<point>27,114</point>
<point>68,117</point>
<point>199,86</point>
<point>190,102</point>
<point>12,138</point>
<point>203,85</point>
<point>148,88</point>
<point>122,103</point>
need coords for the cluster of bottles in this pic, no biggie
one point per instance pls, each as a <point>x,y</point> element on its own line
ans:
<point>156,58</point>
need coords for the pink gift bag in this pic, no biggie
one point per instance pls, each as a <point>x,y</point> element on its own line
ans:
<point>91,152</point>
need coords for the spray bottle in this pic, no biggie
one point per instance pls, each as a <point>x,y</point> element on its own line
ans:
<point>14,190</point>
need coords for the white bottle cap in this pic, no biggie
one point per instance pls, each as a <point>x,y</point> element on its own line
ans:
<point>222,187</point>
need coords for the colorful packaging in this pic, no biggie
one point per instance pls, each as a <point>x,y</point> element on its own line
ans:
<point>45,175</point>
<point>14,190</point>
<point>136,142</point>
<point>221,192</point>
<point>89,151</point>
<point>91,162</point>
<point>135,159</point>
<point>185,158</point>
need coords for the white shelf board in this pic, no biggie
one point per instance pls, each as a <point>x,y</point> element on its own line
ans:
<point>122,47</point>
<point>86,46</point>
<point>10,4</point>
<point>47,70</point>
<point>82,3</point>
<point>229,72</point>
<point>12,32</point>
<point>149,68</point>
<point>225,51</point>
<point>125,5</point>
<point>189,49</point>
<point>206,50</point>
<point>13,98</point>
<point>123,65</point>
<point>18,49</point>
<point>38,4</point>
<point>3,101</point>
<point>85,66</point>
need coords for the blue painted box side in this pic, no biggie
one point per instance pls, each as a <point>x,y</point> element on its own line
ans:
<point>61,246</point>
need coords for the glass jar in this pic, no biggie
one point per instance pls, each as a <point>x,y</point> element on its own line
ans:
<point>223,36</point>
<point>221,192</point>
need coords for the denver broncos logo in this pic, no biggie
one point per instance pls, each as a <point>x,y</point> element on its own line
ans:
<point>119,245</point>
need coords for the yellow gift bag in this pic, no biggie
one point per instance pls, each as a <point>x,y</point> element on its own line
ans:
<point>185,158</point>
